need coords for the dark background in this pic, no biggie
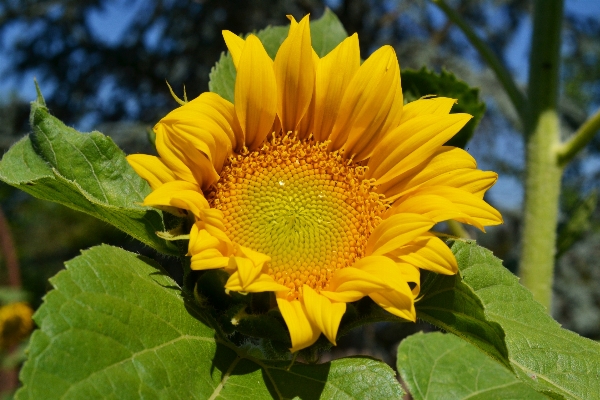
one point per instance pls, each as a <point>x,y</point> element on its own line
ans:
<point>103,64</point>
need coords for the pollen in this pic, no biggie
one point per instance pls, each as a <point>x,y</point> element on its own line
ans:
<point>307,208</point>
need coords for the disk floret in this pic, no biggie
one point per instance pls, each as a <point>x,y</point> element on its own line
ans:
<point>306,207</point>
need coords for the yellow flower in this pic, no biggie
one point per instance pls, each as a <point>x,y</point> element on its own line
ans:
<point>317,184</point>
<point>15,323</point>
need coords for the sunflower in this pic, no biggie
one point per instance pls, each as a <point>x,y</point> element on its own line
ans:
<point>15,323</point>
<point>317,183</point>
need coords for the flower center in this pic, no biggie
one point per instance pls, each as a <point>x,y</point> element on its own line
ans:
<point>305,207</point>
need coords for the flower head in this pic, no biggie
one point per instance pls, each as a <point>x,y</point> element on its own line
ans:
<point>15,323</point>
<point>317,183</point>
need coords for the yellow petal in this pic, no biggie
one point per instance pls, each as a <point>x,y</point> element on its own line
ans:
<point>206,123</point>
<point>431,206</point>
<point>249,274</point>
<point>430,253</point>
<point>151,168</point>
<point>474,211</point>
<point>255,93</point>
<point>295,75</point>
<point>388,270</point>
<point>178,194</point>
<point>262,283</point>
<point>410,274</point>
<point>199,163</point>
<point>475,181</point>
<point>323,313</point>
<point>398,298</point>
<point>331,83</point>
<point>208,259</point>
<point>392,121</point>
<point>443,162</point>
<point>365,144</point>
<point>235,44</point>
<point>200,240</point>
<point>353,283</point>
<point>396,303</point>
<point>367,102</point>
<point>171,155</point>
<point>306,125</point>
<point>396,231</point>
<point>250,266</point>
<point>411,143</point>
<point>302,332</point>
<point>431,105</point>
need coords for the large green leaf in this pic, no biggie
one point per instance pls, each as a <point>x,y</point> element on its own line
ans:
<point>441,366</point>
<point>86,172</point>
<point>553,360</point>
<point>452,305</point>
<point>416,84</point>
<point>116,326</point>
<point>326,33</point>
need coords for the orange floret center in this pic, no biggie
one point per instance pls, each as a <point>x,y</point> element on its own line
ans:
<point>306,207</point>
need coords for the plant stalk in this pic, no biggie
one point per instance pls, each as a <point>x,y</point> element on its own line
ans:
<point>542,183</point>
<point>579,140</point>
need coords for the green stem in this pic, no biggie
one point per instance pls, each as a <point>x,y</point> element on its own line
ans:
<point>514,93</point>
<point>578,141</point>
<point>542,183</point>
<point>457,229</point>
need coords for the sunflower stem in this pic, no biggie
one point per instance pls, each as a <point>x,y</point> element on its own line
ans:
<point>457,229</point>
<point>543,179</point>
<point>579,140</point>
<point>504,76</point>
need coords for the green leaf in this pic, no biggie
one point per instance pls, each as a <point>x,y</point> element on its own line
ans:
<point>554,361</point>
<point>116,326</point>
<point>326,33</point>
<point>272,37</point>
<point>437,365</point>
<point>86,172</point>
<point>452,305</point>
<point>416,84</point>
<point>221,79</point>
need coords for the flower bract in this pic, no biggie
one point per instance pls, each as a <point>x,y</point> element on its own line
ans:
<point>318,183</point>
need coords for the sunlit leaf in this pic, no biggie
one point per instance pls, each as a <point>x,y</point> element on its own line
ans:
<point>117,326</point>
<point>551,359</point>
<point>442,366</point>
<point>83,171</point>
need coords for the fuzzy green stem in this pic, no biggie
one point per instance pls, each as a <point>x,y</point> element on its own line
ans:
<point>578,141</point>
<point>542,184</point>
<point>506,80</point>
